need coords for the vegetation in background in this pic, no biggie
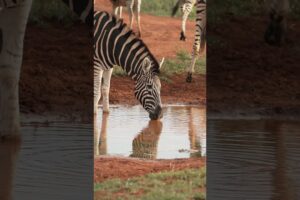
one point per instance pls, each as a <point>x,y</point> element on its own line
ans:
<point>174,66</point>
<point>178,185</point>
<point>162,8</point>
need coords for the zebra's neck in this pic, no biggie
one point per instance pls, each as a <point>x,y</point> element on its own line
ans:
<point>115,44</point>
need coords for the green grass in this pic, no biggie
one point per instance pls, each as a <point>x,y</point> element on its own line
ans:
<point>43,12</point>
<point>173,66</point>
<point>162,8</point>
<point>178,185</point>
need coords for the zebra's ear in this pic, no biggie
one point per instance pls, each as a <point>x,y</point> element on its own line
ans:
<point>146,65</point>
<point>161,63</point>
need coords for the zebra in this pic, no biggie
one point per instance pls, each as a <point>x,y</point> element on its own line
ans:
<point>13,19</point>
<point>200,36</point>
<point>132,6</point>
<point>276,30</point>
<point>186,7</point>
<point>115,44</point>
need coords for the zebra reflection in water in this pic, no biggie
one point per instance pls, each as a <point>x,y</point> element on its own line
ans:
<point>145,144</point>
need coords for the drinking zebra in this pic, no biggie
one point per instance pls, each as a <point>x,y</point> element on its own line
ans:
<point>133,6</point>
<point>115,44</point>
<point>200,36</point>
<point>186,7</point>
<point>13,19</point>
<point>276,30</point>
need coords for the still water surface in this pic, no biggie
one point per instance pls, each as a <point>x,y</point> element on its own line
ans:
<point>53,161</point>
<point>127,131</point>
<point>253,159</point>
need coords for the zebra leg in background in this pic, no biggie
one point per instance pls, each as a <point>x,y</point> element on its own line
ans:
<point>120,11</point>
<point>97,89</point>
<point>13,22</point>
<point>199,37</point>
<point>185,13</point>
<point>130,5</point>
<point>105,87</point>
<point>196,49</point>
<point>138,17</point>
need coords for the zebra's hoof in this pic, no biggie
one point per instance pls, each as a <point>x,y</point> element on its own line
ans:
<point>182,36</point>
<point>189,78</point>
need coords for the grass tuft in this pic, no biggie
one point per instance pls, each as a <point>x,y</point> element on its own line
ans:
<point>178,185</point>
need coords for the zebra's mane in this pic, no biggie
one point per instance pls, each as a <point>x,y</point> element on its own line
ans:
<point>123,25</point>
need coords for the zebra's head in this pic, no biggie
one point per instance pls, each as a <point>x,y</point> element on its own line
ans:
<point>147,88</point>
<point>276,29</point>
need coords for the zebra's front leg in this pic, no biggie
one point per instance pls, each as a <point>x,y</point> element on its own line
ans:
<point>97,89</point>
<point>191,68</point>
<point>13,22</point>
<point>105,89</point>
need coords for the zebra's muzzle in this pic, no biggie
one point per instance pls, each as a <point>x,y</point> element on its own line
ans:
<point>157,114</point>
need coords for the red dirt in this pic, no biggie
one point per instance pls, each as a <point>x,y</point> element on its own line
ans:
<point>160,34</point>
<point>123,168</point>
<point>245,74</point>
<point>57,72</point>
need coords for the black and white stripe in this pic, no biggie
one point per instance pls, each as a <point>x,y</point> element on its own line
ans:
<point>200,36</point>
<point>186,7</point>
<point>115,44</point>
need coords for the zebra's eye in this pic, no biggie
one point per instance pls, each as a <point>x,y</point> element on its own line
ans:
<point>149,87</point>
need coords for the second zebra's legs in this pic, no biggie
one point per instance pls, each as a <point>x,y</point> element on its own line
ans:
<point>105,87</point>
<point>120,11</point>
<point>130,5</point>
<point>138,17</point>
<point>192,65</point>
<point>185,14</point>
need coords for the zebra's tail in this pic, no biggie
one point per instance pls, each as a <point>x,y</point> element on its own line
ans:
<point>175,8</point>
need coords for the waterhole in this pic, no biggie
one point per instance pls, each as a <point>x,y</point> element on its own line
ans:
<point>127,131</point>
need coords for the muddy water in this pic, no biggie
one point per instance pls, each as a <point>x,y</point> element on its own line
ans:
<point>127,131</point>
<point>253,160</point>
<point>53,161</point>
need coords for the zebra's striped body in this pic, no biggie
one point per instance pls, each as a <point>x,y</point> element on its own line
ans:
<point>13,20</point>
<point>115,44</point>
<point>276,30</point>
<point>200,36</point>
<point>186,7</point>
<point>134,9</point>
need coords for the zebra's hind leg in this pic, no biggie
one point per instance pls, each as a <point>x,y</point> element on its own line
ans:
<point>185,14</point>
<point>105,89</point>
